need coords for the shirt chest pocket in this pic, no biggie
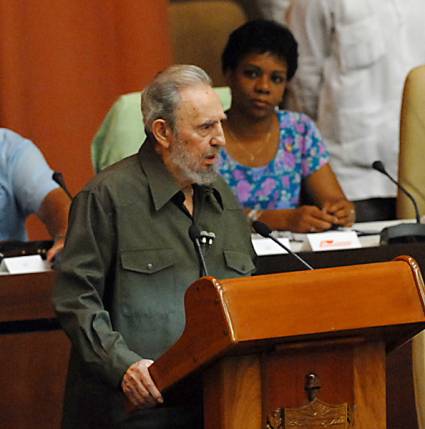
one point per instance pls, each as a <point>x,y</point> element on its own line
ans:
<point>145,275</point>
<point>147,261</point>
<point>360,43</point>
<point>239,262</point>
<point>147,297</point>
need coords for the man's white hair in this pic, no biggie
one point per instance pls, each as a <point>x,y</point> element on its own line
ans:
<point>161,98</point>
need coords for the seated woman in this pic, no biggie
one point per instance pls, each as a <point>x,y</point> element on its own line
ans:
<point>271,155</point>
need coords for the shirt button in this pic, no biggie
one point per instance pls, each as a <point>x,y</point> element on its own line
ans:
<point>149,266</point>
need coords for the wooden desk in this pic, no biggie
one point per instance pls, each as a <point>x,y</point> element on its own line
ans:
<point>34,353</point>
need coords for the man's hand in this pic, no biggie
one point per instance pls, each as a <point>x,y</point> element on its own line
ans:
<point>139,387</point>
<point>56,248</point>
<point>54,214</point>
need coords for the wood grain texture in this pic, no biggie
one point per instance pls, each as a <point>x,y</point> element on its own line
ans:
<point>324,301</point>
<point>381,300</point>
<point>207,335</point>
<point>285,371</point>
<point>26,296</point>
<point>33,355</point>
<point>352,374</point>
<point>369,386</point>
<point>33,369</point>
<point>232,394</point>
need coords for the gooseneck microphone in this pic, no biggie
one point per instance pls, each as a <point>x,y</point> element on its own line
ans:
<point>195,235</point>
<point>58,178</point>
<point>379,166</point>
<point>262,229</point>
<point>404,232</point>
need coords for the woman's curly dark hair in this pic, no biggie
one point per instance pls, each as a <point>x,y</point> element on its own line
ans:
<point>261,36</point>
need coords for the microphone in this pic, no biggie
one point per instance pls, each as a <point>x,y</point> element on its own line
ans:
<point>58,178</point>
<point>207,238</point>
<point>379,166</point>
<point>404,232</point>
<point>195,234</point>
<point>262,229</point>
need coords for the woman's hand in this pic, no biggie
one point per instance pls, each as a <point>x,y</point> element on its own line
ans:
<point>302,219</point>
<point>324,189</point>
<point>305,219</point>
<point>342,210</point>
<point>309,219</point>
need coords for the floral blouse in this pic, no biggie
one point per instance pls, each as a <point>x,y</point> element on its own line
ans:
<point>277,185</point>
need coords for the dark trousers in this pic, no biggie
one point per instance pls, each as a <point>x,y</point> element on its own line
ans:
<point>164,418</point>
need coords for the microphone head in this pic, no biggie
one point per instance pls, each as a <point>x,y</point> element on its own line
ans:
<point>379,166</point>
<point>57,176</point>
<point>194,232</point>
<point>261,228</point>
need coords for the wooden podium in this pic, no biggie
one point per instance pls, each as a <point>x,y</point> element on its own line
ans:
<point>296,350</point>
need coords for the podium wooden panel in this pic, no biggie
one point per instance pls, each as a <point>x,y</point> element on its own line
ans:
<point>401,409</point>
<point>266,333</point>
<point>33,353</point>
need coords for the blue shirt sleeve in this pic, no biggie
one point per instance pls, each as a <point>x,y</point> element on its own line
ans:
<point>30,175</point>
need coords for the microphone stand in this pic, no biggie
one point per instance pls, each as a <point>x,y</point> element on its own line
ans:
<point>58,178</point>
<point>403,232</point>
<point>195,234</point>
<point>262,229</point>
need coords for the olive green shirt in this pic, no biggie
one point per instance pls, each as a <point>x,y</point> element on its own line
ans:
<point>127,262</point>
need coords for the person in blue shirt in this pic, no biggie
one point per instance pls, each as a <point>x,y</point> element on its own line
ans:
<point>27,187</point>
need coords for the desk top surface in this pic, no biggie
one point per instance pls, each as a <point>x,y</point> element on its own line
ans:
<point>368,233</point>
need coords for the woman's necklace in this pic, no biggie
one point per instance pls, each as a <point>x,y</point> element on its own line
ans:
<point>252,155</point>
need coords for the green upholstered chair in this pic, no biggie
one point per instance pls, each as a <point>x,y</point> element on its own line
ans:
<point>122,131</point>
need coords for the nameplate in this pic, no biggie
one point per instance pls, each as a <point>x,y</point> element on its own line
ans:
<point>334,240</point>
<point>265,246</point>
<point>24,264</point>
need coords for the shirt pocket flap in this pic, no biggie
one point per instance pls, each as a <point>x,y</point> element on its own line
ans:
<point>147,261</point>
<point>361,43</point>
<point>238,261</point>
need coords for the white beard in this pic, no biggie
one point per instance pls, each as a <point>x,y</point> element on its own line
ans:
<point>188,166</point>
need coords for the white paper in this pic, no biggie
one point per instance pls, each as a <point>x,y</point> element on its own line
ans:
<point>24,264</point>
<point>334,240</point>
<point>266,246</point>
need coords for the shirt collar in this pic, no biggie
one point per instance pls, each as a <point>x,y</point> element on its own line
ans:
<point>161,182</point>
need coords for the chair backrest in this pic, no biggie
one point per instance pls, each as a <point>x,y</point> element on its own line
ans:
<point>199,32</point>
<point>122,131</point>
<point>412,144</point>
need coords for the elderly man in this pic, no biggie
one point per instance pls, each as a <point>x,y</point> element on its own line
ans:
<point>27,187</point>
<point>128,258</point>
